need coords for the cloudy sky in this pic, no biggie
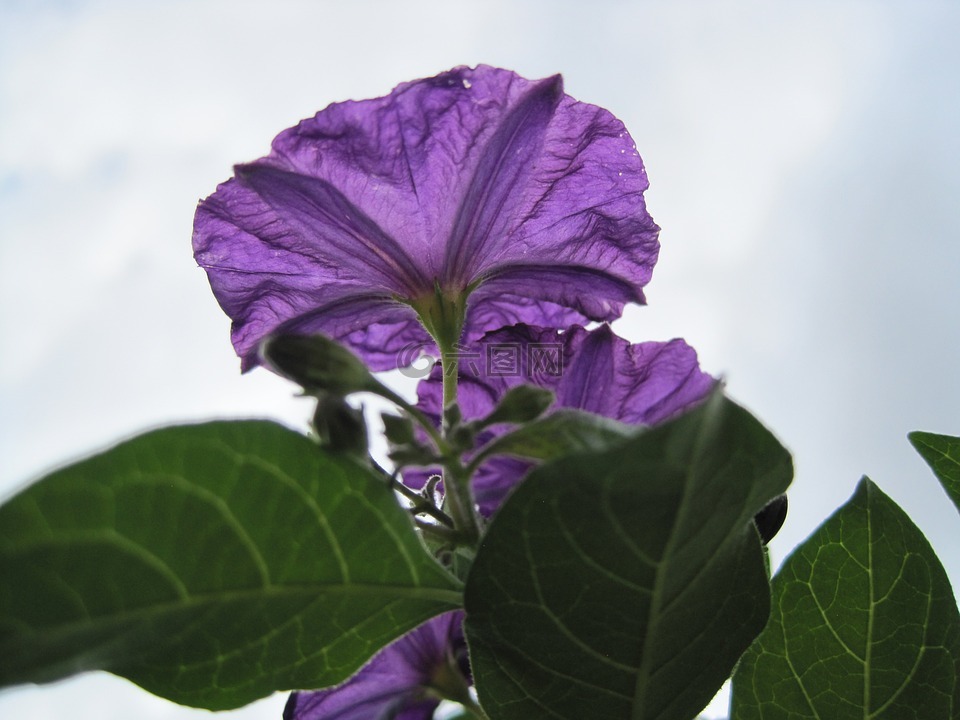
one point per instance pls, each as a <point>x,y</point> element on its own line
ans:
<point>805,169</point>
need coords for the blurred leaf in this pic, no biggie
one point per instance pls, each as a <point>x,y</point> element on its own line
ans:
<point>563,432</point>
<point>520,404</point>
<point>317,363</point>
<point>624,584</point>
<point>210,564</point>
<point>864,625</point>
<point>942,454</point>
<point>398,429</point>
<point>340,428</point>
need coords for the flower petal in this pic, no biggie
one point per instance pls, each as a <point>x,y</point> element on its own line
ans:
<point>582,209</point>
<point>394,683</point>
<point>492,202</point>
<point>595,370</point>
<point>267,277</point>
<point>474,180</point>
<point>333,231</point>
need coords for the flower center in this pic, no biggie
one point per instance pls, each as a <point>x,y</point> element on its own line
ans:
<point>442,314</point>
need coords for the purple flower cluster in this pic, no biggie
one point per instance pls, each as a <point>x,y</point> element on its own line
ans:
<point>475,195</point>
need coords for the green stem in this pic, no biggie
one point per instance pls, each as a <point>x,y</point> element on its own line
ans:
<point>443,314</point>
<point>458,497</point>
<point>450,364</point>
<point>438,531</point>
<point>421,504</point>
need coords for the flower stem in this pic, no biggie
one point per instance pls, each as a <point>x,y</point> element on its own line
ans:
<point>450,364</point>
<point>421,504</point>
<point>442,315</point>
<point>458,497</point>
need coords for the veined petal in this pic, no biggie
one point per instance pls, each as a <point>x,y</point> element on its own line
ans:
<point>642,384</point>
<point>335,232</point>
<point>269,276</point>
<point>579,205</point>
<point>493,202</point>
<point>587,293</point>
<point>587,208</point>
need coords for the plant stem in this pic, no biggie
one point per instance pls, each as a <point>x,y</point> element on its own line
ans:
<point>458,497</point>
<point>421,504</point>
<point>438,531</point>
<point>443,313</point>
<point>450,364</point>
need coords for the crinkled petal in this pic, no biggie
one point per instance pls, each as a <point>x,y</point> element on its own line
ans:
<point>642,384</point>
<point>336,233</point>
<point>593,370</point>
<point>267,278</point>
<point>503,309</point>
<point>493,203</point>
<point>474,180</point>
<point>392,686</point>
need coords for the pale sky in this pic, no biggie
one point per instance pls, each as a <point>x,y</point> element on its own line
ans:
<point>804,161</point>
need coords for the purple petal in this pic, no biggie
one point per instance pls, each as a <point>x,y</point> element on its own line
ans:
<point>597,371</point>
<point>337,234</point>
<point>642,384</point>
<point>493,200</point>
<point>475,180</point>
<point>268,278</point>
<point>394,683</point>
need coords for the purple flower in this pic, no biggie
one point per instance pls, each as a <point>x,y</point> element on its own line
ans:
<point>474,187</point>
<point>397,683</point>
<point>593,370</point>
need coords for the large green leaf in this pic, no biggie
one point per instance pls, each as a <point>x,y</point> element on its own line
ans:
<point>942,453</point>
<point>624,584</point>
<point>864,625</point>
<point>211,564</point>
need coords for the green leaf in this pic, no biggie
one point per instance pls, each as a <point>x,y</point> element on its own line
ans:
<point>563,432</point>
<point>520,404</point>
<point>624,584</point>
<point>212,565</point>
<point>942,454</point>
<point>864,625</point>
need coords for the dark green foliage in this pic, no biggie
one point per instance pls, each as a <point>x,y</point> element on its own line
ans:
<point>625,583</point>
<point>864,625</point>
<point>211,564</point>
